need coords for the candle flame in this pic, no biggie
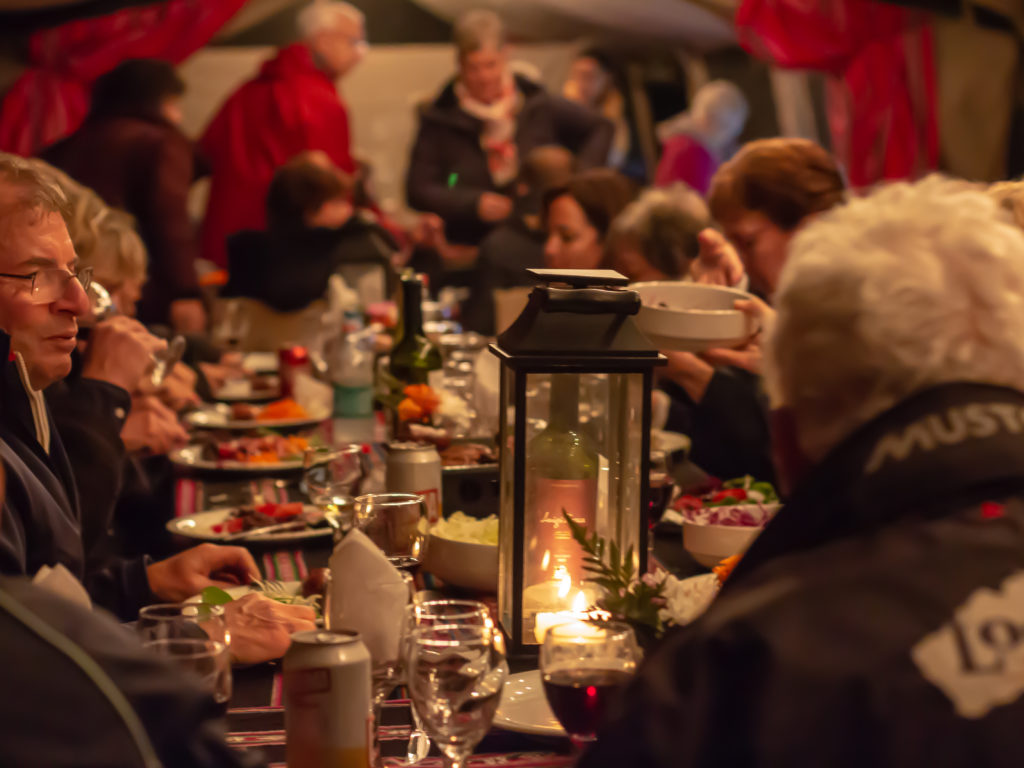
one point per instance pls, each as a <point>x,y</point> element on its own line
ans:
<point>579,603</point>
<point>564,585</point>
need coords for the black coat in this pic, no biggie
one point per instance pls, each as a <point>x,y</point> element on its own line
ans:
<point>288,271</point>
<point>875,622</point>
<point>41,521</point>
<point>57,715</point>
<point>448,168</point>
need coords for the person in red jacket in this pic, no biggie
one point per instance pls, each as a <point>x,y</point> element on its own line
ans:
<point>292,105</point>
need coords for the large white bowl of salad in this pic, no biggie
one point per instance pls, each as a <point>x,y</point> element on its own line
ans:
<point>725,522</point>
<point>463,551</point>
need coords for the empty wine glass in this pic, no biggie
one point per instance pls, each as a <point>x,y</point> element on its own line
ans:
<point>204,659</point>
<point>423,613</point>
<point>102,306</point>
<point>392,521</point>
<point>232,326</point>
<point>456,673</point>
<point>171,624</point>
<point>660,486</point>
<point>584,666</point>
<point>333,468</point>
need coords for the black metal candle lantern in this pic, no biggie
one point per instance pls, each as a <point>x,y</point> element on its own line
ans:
<point>576,377</point>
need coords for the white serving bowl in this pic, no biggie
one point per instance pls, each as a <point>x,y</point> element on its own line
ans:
<point>463,563</point>
<point>691,317</point>
<point>710,544</point>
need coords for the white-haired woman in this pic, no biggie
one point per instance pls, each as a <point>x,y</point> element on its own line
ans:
<point>695,142</point>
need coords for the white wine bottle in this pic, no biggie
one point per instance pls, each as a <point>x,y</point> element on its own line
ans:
<point>562,467</point>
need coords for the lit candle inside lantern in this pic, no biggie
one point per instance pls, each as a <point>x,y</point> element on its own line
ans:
<point>577,615</point>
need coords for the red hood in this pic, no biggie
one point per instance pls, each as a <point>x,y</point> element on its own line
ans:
<point>290,61</point>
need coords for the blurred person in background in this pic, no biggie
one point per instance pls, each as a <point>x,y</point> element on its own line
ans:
<point>760,199</point>
<point>474,135</point>
<point>579,217</point>
<point>873,622</point>
<point>695,142</point>
<point>291,106</point>
<point>130,150</point>
<point>591,82</point>
<point>516,245</point>
<point>656,236</point>
<point>313,232</point>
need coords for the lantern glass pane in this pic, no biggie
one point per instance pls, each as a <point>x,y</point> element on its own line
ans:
<point>506,552</point>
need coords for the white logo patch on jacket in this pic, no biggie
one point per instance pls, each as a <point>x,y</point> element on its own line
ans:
<point>977,659</point>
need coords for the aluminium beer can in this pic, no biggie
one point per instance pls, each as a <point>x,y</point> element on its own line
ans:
<point>416,468</point>
<point>328,702</point>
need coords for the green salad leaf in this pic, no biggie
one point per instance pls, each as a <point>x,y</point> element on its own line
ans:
<point>215,596</point>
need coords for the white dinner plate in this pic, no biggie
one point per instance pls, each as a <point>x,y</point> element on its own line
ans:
<point>191,456</point>
<point>524,707</point>
<point>260,362</point>
<point>241,391</point>
<point>200,526</point>
<point>218,416</point>
<point>290,587</point>
<point>669,442</point>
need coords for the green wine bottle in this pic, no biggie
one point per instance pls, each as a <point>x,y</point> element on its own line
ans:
<point>562,469</point>
<point>414,355</point>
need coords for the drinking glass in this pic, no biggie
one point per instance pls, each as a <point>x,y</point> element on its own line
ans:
<point>392,521</point>
<point>232,326</point>
<point>203,658</point>
<point>660,486</point>
<point>169,623</point>
<point>456,673</point>
<point>424,613</point>
<point>584,666</point>
<point>333,469</point>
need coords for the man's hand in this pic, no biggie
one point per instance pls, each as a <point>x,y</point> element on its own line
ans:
<point>120,352</point>
<point>493,207</point>
<point>749,356</point>
<point>717,263</point>
<point>260,627</point>
<point>153,427</point>
<point>208,565</point>
<point>188,316</point>
<point>178,390</point>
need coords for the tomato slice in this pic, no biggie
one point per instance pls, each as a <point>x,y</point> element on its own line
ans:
<point>235,525</point>
<point>289,510</point>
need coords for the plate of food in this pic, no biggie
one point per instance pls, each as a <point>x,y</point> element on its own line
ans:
<point>308,592</point>
<point>691,317</point>
<point>279,414</point>
<point>463,551</point>
<point>256,454</point>
<point>260,362</point>
<point>250,388</point>
<point>234,523</point>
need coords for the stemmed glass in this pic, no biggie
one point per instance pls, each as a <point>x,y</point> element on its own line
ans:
<point>194,635</point>
<point>331,477</point>
<point>102,306</point>
<point>584,666</point>
<point>425,613</point>
<point>232,327</point>
<point>456,673</point>
<point>392,522</point>
<point>660,486</point>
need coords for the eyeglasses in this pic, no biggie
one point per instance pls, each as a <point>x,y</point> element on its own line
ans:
<point>46,285</point>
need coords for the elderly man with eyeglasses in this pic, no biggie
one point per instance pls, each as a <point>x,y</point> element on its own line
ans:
<point>41,297</point>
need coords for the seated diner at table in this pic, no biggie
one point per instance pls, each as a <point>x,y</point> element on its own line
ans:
<point>865,625</point>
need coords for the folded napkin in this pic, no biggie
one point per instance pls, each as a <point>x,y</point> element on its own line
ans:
<point>60,581</point>
<point>367,595</point>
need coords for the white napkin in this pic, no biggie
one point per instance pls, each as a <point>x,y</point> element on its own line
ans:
<point>61,582</point>
<point>368,595</point>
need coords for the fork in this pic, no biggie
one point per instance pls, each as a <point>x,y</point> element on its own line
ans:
<point>268,586</point>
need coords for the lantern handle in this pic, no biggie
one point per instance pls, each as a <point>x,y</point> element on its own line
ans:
<point>589,301</point>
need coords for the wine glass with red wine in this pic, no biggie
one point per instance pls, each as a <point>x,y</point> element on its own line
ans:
<point>584,666</point>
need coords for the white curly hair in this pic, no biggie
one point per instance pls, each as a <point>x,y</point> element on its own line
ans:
<point>916,285</point>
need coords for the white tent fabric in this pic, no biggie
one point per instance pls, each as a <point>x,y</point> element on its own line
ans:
<point>679,21</point>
